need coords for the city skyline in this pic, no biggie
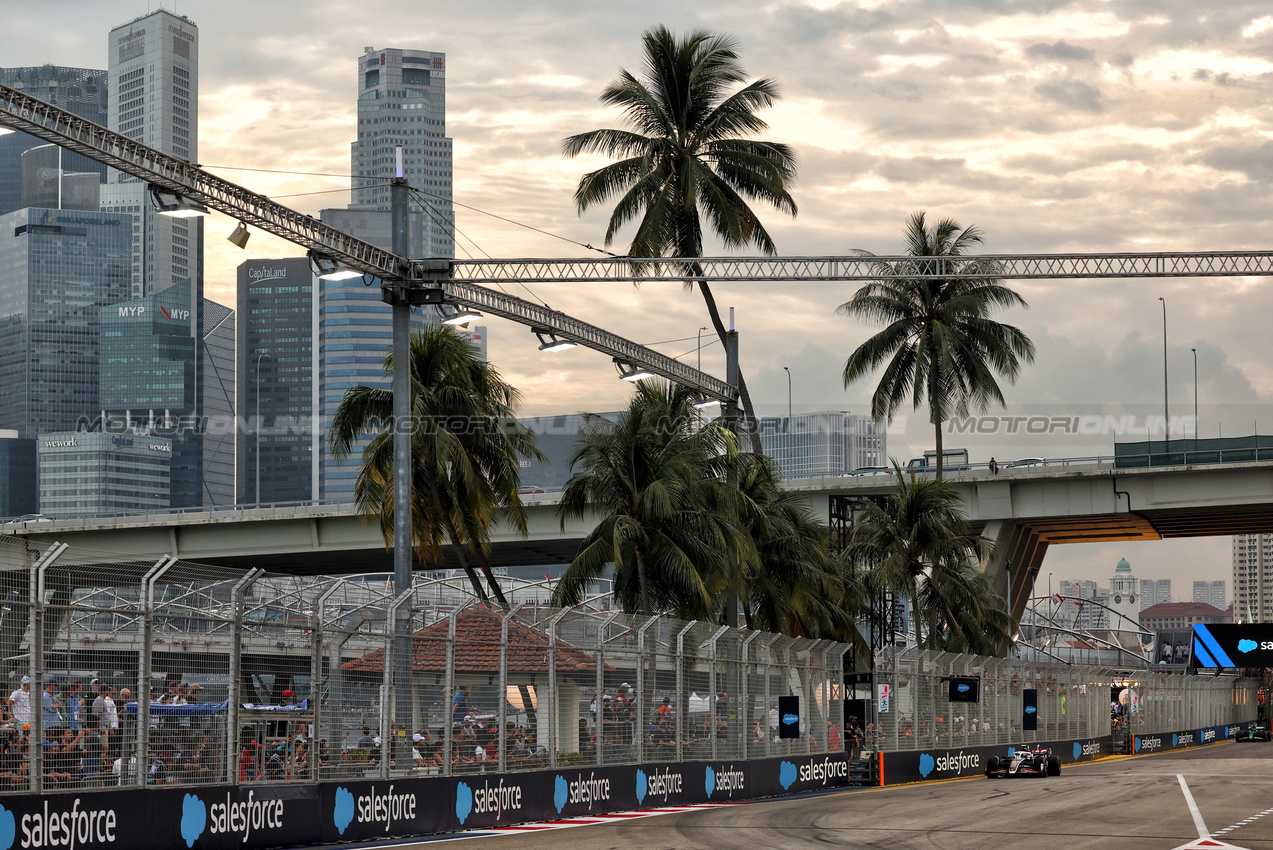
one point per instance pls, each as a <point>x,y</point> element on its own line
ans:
<point>1083,127</point>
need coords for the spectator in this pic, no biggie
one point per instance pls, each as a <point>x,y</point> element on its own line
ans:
<point>52,717</point>
<point>94,761</point>
<point>833,737</point>
<point>460,704</point>
<point>19,704</point>
<point>74,703</point>
<point>664,711</point>
<point>364,742</point>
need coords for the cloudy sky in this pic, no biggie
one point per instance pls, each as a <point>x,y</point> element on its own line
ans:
<point>1095,125</point>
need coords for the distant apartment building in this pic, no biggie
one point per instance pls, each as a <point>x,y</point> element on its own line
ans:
<point>1253,578</point>
<point>1211,592</point>
<point>1154,591</point>
<point>825,443</point>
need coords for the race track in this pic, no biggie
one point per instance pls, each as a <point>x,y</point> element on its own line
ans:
<point>1128,804</point>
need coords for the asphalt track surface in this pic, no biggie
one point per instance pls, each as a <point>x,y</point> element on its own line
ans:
<point>1124,803</point>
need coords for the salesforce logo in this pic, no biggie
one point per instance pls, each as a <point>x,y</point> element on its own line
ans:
<point>709,781</point>
<point>1245,645</point>
<point>561,790</point>
<point>963,687</point>
<point>1078,750</point>
<point>343,811</point>
<point>786,775</point>
<point>463,801</point>
<point>1029,709</point>
<point>194,817</point>
<point>926,764</point>
<point>8,828</point>
<point>642,783</point>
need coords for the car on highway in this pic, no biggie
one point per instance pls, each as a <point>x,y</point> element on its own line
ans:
<point>869,470</point>
<point>1026,461</point>
<point>1025,760</point>
<point>1254,732</point>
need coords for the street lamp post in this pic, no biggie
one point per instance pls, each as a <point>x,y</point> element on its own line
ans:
<point>791,439</point>
<point>257,423</point>
<point>1195,398</point>
<point>1165,414</point>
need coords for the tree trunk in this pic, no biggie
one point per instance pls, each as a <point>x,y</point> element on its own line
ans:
<point>453,535</point>
<point>641,581</point>
<point>935,415</point>
<point>915,612</point>
<point>749,412</point>
<point>485,563</point>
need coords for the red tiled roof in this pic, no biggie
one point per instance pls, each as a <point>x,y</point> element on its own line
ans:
<point>1183,609</point>
<point>477,633</point>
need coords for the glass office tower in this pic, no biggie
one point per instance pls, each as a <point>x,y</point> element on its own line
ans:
<point>57,270</point>
<point>79,90</point>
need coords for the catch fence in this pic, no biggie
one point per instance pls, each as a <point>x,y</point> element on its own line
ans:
<point>1073,701</point>
<point>255,677</point>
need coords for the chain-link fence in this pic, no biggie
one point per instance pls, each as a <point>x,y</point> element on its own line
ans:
<point>124,672</point>
<point>914,710</point>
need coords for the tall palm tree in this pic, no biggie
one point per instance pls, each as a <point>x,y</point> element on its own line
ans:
<point>655,480</point>
<point>918,544</point>
<point>939,345</point>
<point>685,156</point>
<point>791,583</point>
<point>465,452</point>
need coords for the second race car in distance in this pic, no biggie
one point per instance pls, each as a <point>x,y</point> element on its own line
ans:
<point>1025,760</point>
<point>1254,732</point>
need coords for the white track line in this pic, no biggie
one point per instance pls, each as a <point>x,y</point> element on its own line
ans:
<point>1193,808</point>
<point>1243,823</point>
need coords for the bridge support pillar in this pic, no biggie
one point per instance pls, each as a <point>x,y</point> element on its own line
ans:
<point>1013,571</point>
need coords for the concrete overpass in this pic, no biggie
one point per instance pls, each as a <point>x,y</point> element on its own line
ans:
<point>1023,510</point>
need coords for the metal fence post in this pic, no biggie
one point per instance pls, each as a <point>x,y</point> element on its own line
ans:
<point>744,691</point>
<point>710,722</point>
<point>601,686</point>
<point>400,641</point>
<point>503,687</point>
<point>233,699</point>
<point>143,670</point>
<point>554,734</point>
<point>682,702</point>
<point>448,701</point>
<point>35,701</point>
<point>642,714</point>
<point>316,675</point>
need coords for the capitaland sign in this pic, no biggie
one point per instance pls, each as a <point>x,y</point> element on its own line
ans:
<point>269,273</point>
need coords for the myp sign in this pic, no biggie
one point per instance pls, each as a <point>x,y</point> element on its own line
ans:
<point>1232,645</point>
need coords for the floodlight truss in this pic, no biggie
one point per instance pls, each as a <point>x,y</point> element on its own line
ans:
<point>461,282</point>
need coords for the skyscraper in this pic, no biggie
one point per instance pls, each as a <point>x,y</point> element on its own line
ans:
<point>355,334</point>
<point>78,90</point>
<point>1211,592</point>
<point>1253,578</point>
<point>154,98</point>
<point>402,101</point>
<point>1154,591</point>
<point>275,379</point>
<point>58,268</point>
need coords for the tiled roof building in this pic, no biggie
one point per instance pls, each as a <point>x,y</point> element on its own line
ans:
<point>477,648</point>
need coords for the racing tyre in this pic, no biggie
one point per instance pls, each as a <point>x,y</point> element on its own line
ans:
<point>1054,766</point>
<point>1041,765</point>
<point>991,764</point>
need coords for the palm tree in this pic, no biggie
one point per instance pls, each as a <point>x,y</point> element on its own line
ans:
<point>919,544</point>
<point>655,480</point>
<point>465,452</point>
<point>939,342</point>
<point>686,156</point>
<point>790,581</point>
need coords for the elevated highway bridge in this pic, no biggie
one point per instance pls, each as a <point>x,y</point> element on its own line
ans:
<point>1024,511</point>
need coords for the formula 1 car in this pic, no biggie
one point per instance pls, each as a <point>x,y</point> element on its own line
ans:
<point>1255,732</point>
<point>1025,760</point>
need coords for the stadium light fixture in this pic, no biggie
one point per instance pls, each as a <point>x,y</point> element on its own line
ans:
<point>629,372</point>
<point>461,316</point>
<point>329,269</point>
<point>548,341</point>
<point>176,206</point>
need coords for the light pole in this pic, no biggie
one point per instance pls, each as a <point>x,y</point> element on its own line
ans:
<point>1165,414</point>
<point>791,440</point>
<point>1195,398</point>
<point>257,424</point>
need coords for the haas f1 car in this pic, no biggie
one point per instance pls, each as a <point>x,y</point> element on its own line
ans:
<point>1026,760</point>
<point>1255,732</point>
